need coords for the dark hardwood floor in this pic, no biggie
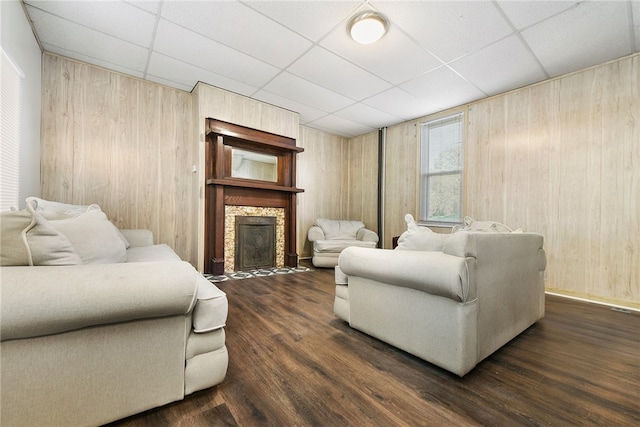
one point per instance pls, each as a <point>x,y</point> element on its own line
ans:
<point>293,363</point>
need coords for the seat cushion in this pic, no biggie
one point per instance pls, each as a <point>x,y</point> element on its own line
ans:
<point>336,246</point>
<point>211,308</point>
<point>151,253</point>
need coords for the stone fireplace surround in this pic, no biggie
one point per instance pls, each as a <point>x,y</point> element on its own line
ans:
<point>230,231</point>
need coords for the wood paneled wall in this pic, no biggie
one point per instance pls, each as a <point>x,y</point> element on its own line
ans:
<point>561,158</point>
<point>122,143</point>
<point>323,174</point>
<point>362,180</point>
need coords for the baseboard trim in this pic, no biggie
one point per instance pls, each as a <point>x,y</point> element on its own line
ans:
<point>608,304</point>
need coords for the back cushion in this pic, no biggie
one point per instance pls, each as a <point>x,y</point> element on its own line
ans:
<point>338,229</point>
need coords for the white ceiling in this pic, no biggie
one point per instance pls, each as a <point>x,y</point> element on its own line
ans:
<point>297,54</point>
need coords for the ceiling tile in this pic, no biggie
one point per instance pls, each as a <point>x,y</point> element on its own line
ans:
<point>500,67</point>
<point>587,34</point>
<point>441,89</point>
<point>395,58</point>
<point>239,27</point>
<point>172,70</point>
<point>368,116</point>
<point>72,37</point>
<point>307,113</point>
<point>192,48</point>
<point>399,103</point>
<point>347,127</point>
<point>148,5</point>
<point>334,73</point>
<point>523,14</point>
<point>448,29</point>
<point>293,87</point>
<point>312,19</point>
<point>115,18</point>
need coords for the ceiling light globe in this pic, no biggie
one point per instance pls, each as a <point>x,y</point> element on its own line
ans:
<point>367,27</point>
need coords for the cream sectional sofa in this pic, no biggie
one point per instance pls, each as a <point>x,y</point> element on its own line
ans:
<point>90,343</point>
<point>451,300</point>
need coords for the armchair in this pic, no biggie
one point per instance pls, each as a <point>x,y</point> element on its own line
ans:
<point>331,237</point>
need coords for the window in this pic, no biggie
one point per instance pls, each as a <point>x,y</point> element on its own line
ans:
<point>441,150</point>
<point>11,81</point>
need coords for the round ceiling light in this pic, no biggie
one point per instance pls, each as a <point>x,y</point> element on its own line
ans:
<point>367,27</point>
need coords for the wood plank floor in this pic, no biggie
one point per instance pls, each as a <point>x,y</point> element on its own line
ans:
<point>293,363</point>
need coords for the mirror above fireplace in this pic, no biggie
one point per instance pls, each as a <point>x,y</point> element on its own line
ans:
<point>251,165</point>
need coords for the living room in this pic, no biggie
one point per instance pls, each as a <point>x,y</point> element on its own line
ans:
<point>559,157</point>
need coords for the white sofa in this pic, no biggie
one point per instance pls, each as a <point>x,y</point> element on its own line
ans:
<point>451,300</point>
<point>86,344</point>
<point>330,237</point>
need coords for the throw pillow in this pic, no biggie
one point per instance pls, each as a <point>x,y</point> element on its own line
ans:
<point>28,239</point>
<point>56,210</point>
<point>470,224</point>
<point>52,210</point>
<point>93,236</point>
<point>418,238</point>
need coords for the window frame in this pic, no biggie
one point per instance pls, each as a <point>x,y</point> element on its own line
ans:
<point>425,175</point>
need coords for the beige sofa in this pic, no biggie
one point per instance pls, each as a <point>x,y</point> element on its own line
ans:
<point>330,237</point>
<point>87,344</point>
<point>451,300</point>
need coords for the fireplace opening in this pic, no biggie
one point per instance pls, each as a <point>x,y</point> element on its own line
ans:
<point>255,243</point>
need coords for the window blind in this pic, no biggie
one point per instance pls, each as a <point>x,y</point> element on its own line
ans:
<point>11,83</point>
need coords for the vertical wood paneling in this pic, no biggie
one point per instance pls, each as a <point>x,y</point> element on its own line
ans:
<point>323,174</point>
<point>362,188</point>
<point>401,179</point>
<point>561,158</point>
<point>116,141</point>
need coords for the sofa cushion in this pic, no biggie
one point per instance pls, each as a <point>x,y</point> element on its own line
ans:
<point>334,246</point>
<point>151,253</point>
<point>418,238</point>
<point>28,239</point>
<point>211,308</point>
<point>95,239</point>
<point>339,229</point>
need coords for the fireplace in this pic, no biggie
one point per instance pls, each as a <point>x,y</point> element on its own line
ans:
<point>255,242</point>
<point>228,148</point>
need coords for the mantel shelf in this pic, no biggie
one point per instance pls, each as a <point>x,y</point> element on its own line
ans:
<point>253,184</point>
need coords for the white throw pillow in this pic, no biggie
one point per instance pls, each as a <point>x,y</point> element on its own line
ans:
<point>418,238</point>
<point>28,239</point>
<point>470,224</point>
<point>56,210</point>
<point>95,239</point>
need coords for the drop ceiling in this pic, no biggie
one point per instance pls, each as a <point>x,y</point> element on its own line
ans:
<point>297,54</point>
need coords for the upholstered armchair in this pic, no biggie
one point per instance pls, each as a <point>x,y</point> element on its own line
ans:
<point>330,237</point>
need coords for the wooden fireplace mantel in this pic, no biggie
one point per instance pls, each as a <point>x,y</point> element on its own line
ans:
<point>222,189</point>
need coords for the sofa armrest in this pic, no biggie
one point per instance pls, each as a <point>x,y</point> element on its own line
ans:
<point>315,233</point>
<point>435,273</point>
<point>138,237</point>
<point>40,301</point>
<point>366,235</point>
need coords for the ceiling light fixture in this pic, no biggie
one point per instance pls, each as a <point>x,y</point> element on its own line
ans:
<point>368,27</point>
